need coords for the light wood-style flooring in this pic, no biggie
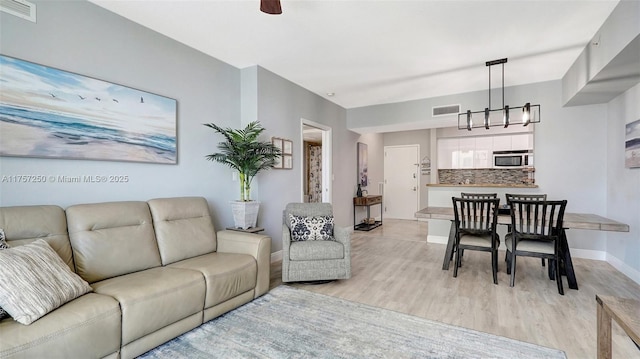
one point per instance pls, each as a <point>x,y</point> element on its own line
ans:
<point>394,267</point>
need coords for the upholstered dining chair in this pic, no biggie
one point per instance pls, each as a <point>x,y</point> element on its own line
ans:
<point>475,223</point>
<point>313,249</point>
<point>536,229</point>
<point>526,197</point>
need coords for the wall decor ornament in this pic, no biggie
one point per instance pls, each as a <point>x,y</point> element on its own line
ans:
<point>362,164</point>
<point>632,144</point>
<point>285,161</point>
<point>51,113</point>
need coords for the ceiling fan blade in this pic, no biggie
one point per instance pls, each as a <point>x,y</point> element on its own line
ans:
<point>270,7</point>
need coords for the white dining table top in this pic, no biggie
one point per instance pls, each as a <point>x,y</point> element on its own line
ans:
<point>571,220</point>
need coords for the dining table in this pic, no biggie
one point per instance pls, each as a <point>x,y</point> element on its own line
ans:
<point>586,221</point>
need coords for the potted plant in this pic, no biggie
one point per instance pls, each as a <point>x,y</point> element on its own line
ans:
<point>242,151</point>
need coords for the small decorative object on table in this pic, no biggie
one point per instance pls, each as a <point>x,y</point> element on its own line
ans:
<point>359,191</point>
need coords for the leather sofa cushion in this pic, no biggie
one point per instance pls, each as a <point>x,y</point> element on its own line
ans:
<point>315,250</point>
<point>154,298</point>
<point>111,239</point>
<point>86,327</point>
<point>24,224</point>
<point>183,228</point>
<point>227,274</point>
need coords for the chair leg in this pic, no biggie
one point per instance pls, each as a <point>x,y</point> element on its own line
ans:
<point>508,260</point>
<point>543,262</point>
<point>558,276</point>
<point>456,264</point>
<point>552,269</point>
<point>513,270</point>
<point>494,265</point>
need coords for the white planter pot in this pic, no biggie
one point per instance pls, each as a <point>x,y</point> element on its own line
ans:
<point>245,214</point>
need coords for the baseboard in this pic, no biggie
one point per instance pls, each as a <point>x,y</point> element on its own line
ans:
<point>588,254</point>
<point>276,256</point>
<point>437,239</point>
<point>632,273</point>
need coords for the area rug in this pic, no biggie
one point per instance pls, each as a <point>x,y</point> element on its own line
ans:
<point>294,323</point>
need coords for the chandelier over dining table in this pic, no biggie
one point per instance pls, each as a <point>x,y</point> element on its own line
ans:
<point>504,116</point>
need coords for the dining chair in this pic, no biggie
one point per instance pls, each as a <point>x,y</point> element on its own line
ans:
<point>526,197</point>
<point>536,229</point>
<point>475,222</point>
<point>471,196</point>
<point>478,195</point>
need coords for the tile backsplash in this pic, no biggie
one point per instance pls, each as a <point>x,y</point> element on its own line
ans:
<point>486,176</point>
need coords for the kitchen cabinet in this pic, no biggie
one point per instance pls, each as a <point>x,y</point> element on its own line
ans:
<point>522,141</point>
<point>483,154</point>
<point>477,151</point>
<point>447,150</point>
<point>466,149</point>
<point>502,143</point>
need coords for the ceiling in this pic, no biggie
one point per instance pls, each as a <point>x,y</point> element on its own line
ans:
<point>370,52</point>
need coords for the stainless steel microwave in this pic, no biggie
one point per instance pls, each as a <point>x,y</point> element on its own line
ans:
<point>512,159</point>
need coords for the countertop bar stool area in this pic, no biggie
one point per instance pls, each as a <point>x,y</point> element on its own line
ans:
<point>475,222</point>
<point>536,231</point>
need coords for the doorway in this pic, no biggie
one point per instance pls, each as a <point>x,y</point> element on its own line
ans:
<point>315,162</point>
<point>401,181</point>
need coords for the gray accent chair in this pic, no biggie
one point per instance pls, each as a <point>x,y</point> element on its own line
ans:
<point>304,261</point>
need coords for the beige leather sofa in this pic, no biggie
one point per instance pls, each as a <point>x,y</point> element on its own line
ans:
<point>158,269</point>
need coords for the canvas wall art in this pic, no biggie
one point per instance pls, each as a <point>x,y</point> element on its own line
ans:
<point>632,145</point>
<point>50,113</point>
<point>362,164</point>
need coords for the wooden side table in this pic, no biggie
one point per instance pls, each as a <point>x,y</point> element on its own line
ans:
<point>626,312</point>
<point>367,201</point>
<point>248,230</point>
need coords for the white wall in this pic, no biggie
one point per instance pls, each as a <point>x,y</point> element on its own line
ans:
<point>623,186</point>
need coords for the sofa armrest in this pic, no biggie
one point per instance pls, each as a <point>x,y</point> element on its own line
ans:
<point>257,245</point>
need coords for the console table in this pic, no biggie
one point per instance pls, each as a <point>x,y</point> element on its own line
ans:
<point>366,201</point>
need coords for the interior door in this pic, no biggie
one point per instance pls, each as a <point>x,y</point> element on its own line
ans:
<point>401,181</point>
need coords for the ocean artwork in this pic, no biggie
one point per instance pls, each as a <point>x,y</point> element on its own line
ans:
<point>632,144</point>
<point>50,113</point>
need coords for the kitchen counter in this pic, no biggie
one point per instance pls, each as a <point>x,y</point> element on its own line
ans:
<point>514,185</point>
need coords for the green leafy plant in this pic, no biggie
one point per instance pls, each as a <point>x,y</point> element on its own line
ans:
<point>242,151</point>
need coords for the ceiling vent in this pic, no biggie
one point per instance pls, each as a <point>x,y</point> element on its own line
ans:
<point>19,8</point>
<point>445,110</point>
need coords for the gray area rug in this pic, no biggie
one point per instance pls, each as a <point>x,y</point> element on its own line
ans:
<point>294,323</point>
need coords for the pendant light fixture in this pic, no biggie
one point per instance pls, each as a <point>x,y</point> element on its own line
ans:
<point>530,113</point>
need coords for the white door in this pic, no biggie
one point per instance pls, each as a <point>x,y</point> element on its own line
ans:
<point>401,181</point>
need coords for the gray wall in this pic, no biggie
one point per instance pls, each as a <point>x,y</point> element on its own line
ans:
<point>86,39</point>
<point>281,106</point>
<point>623,186</point>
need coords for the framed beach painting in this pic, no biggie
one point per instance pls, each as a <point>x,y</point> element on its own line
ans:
<point>632,145</point>
<point>51,113</point>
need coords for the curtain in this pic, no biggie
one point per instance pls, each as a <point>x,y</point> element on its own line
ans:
<point>315,173</point>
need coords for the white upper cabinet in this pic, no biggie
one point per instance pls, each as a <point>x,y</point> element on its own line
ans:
<point>483,154</point>
<point>448,153</point>
<point>522,141</point>
<point>502,143</point>
<point>466,148</point>
<point>477,151</point>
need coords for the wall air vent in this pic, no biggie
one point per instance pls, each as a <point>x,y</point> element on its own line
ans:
<point>19,8</point>
<point>447,110</point>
